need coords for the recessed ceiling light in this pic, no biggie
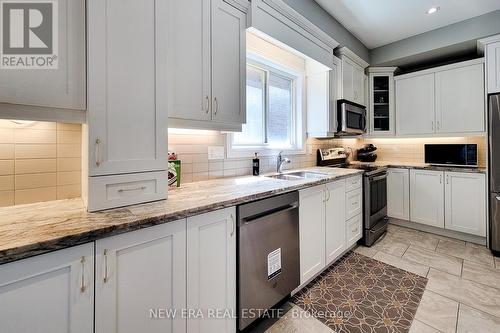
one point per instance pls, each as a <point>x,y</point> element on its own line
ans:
<point>433,10</point>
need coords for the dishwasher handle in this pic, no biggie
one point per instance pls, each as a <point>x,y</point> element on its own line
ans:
<point>269,213</point>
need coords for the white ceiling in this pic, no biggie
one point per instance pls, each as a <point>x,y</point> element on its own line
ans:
<point>381,22</point>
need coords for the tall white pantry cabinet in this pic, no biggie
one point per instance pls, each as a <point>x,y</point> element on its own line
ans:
<point>127,106</point>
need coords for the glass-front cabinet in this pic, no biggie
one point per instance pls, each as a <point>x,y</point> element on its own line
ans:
<point>381,104</point>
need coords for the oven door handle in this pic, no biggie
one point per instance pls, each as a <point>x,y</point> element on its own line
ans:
<point>384,176</point>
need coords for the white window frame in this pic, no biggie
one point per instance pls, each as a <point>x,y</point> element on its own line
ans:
<point>298,113</point>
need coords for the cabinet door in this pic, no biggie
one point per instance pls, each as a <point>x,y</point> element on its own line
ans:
<point>381,101</point>
<point>335,220</point>
<point>63,87</point>
<point>415,105</point>
<point>127,111</point>
<point>398,193</point>
<point>189,60</point>
<point>359,85</point>
<point>211,269</point>
<point>347,79</point>
<point>138,273</point>
<point>427,197</point>
<point>228,63</point>
<point>460,100</point>
<point>312,232</point>
<point>465,203</point>
<point>493,67</point>
<point>49,293</point>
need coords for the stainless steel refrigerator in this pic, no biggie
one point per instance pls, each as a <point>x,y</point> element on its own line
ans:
<point>494,160</point>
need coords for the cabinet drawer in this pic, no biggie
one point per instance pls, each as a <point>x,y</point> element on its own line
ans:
<point>353,183</point>
<point>122,190</point>
<point>354,230</point>
<point>353,203</point>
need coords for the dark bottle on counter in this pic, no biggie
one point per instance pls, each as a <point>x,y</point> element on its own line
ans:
<point>256,165</point>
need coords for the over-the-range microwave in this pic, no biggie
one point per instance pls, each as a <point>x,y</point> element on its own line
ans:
<point>351,118</point>
<point>461,155</point>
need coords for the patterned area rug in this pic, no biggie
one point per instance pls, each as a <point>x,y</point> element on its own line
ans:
<point>360,294</point>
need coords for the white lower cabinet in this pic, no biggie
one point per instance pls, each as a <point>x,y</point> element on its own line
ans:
<point>335,220</point>
<point>138,274</point>
<point>427,197</point>
<point>398,193</point>
<point>312,231</point>
<point>354,230</point>
<point>324,224</point>
<point>211,270</point>
<point>52,293</point>
<point>465,203</point>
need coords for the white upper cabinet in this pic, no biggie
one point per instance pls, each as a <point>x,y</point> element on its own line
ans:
<point>493,67</point>
<point>312,231</point>
<point>52,293</point>
<point>427,197</point>
<point>61,88</point>
<point>189,60</point>
<point>335,241</point>
<point>398,193</point>
<point>465,203</point>
<point>228,64</point>
<point>127,111</point>
<point>137,272</point>
<point>381,101</point>
<point>415,105</point>
<point>460,100</point>
<point>353,76</point>
<point>211,269</point>
<point>442,100</point>
<point>207,65</point>
<point>322,94</point>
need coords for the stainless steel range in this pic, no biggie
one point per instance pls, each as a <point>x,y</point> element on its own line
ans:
<point>375,218</point>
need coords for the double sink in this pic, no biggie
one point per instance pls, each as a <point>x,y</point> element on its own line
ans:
<point>297,175</point>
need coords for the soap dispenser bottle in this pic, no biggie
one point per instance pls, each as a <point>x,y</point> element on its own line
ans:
<point>256,165</point>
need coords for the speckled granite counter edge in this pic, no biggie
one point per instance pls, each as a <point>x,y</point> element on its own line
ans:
<point>137,223</point>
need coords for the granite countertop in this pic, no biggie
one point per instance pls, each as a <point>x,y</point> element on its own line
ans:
<point>422,166</point>
<point>33,229</point>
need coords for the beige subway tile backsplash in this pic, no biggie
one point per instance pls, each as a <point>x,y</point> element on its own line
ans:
<point>39,161</point>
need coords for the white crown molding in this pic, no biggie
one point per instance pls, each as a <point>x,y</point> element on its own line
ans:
<point>344,51</point>
<point>381,69</point>
<point>291,17</point>
<point>481,43</point>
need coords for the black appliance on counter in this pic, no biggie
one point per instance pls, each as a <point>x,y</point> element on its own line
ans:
<point>461,155</point>
<point>375,218</point>
<point>367,153</point>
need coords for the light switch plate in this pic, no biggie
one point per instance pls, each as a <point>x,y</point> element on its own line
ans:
<point>215,152</point>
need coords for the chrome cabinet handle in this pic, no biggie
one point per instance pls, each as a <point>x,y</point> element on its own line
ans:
<point>447,179</point>
<point>438,125</point>
<point>233,226</point>
<point>432,126</point>
<point>82,285</point>
<point>216,105</point>
<point>98,152</point>
<point>440,179</point>
<point>329,194</point>
<point>142,188</point>
<point>207,104</point>
<point>106,277</point>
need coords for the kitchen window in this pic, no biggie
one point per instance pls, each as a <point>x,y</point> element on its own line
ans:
<point>274,119</point>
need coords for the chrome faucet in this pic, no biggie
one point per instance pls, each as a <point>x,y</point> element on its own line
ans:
<point>281,160</point>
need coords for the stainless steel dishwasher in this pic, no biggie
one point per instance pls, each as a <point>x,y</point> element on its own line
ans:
<point>268,254</point>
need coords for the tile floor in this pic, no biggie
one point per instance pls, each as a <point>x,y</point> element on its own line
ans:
<point>462,293</point>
